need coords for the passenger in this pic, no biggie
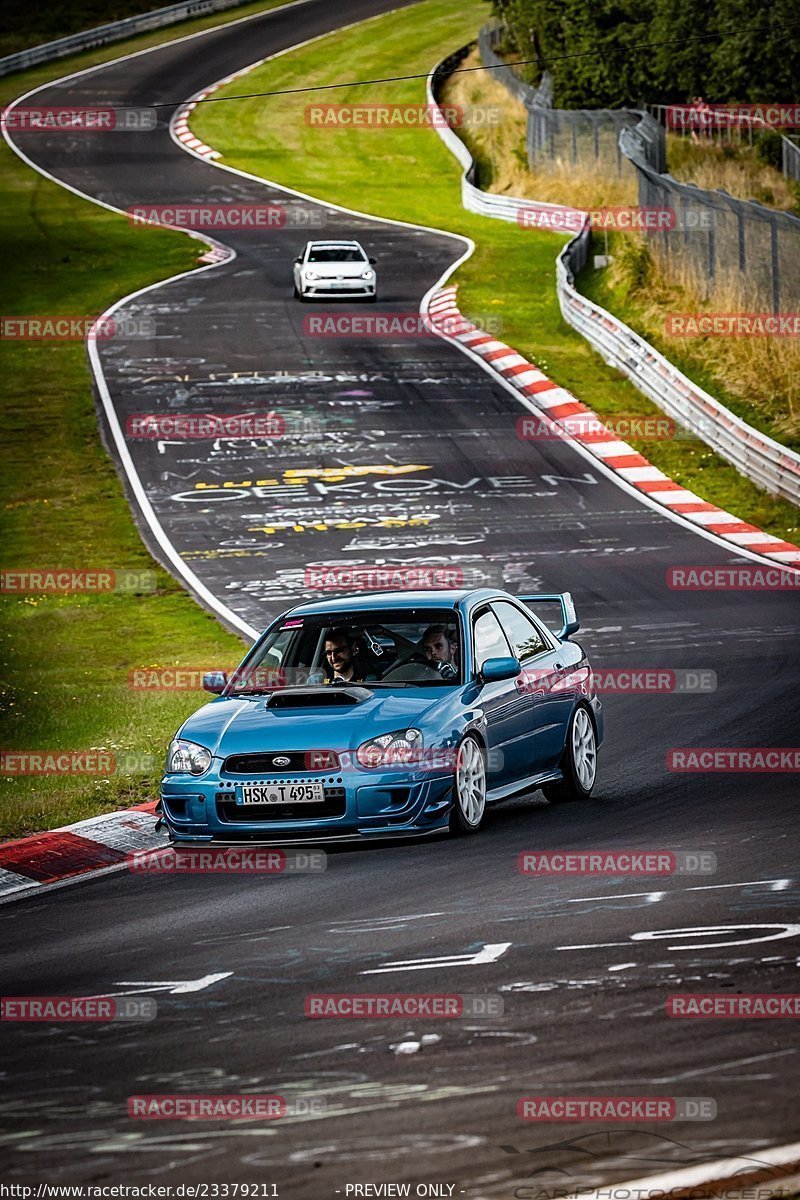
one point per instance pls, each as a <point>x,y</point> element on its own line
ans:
<point>440,643</point>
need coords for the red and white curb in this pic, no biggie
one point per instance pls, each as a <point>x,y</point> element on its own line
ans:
<point>76,851</point>
<point>180,122</point>
<point>559,406</point>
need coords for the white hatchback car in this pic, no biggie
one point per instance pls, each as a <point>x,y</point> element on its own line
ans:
<point>334,268</point>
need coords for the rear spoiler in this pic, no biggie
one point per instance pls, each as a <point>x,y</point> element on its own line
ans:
<point>569,617</point>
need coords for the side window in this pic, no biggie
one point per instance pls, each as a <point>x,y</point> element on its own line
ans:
<point>526,640</point>
<point>488,638</point>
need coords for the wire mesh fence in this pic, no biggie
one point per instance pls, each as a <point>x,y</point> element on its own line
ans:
<point>721,245</point>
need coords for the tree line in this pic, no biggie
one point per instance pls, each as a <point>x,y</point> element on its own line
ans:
<point>617,53</point>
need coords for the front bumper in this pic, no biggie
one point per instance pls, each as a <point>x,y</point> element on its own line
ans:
<point>357,804</point>
<point>318,288</point>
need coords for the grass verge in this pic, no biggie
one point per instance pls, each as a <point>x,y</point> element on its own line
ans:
<point>407,173</point>
<point>64,660</point>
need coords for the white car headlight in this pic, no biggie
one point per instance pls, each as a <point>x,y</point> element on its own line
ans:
<point>368,275</point>
<point>402,746</point>
<point>311,275</point>
<point>187,758</point>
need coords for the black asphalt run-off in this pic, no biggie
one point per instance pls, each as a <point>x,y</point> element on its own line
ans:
<point>584,992</point>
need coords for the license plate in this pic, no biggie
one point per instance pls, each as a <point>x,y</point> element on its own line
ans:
<point>282,793</point>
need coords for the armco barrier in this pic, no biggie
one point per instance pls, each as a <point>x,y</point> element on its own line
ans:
<point>769,465</point>
<point>115,31</point>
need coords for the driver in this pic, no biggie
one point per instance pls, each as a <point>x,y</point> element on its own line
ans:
<point>341,659</point>
<point>440,644</point>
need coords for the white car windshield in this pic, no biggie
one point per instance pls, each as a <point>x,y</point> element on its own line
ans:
<point>336,254</point>
<point>382,648</point>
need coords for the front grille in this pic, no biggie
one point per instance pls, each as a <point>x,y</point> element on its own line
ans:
<point>264,764</point>
<point>334,805</point>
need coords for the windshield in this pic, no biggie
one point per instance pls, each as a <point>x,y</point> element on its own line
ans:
<point>336,254</point>
<point>395,648</point>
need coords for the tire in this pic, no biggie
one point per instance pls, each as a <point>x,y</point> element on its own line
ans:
<point>579,761</point>
<point>295,292</point>
<point>469,788</point>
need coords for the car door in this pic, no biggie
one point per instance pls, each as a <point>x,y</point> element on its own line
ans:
<point>505,703</point>
<point>546,685</point>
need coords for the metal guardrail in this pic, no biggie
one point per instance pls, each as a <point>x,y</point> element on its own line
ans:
<point>486,204</point>
<point>115,31</point>
<point>769,465</point>
<point>790,156</point>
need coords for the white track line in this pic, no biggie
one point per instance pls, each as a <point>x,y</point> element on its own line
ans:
<point>184,572</point>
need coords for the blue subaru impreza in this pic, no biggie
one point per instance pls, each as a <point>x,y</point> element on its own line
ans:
<point>386,715</point>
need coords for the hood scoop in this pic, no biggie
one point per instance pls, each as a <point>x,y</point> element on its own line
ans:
<point>319,697</point>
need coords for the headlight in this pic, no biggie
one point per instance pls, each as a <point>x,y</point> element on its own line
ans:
<point>402,746</point>
<point>187,758</point>
<point>368,275</point>
<point>311,275</point>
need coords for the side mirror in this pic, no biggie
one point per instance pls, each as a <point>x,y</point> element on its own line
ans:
<point>373,261</point>
<point>215,681</point>
<point>299,258</point>
<point>495,669</point>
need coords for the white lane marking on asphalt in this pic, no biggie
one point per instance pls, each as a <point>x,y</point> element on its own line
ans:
<point>587,477</point>
<point>686,1178</point>
<point>490,953</point>
<point>777,885</point>
<point>686,932</point>
<point>736,1062</point>
<point>622,966</point>
<point>176,987</point>
<point>376,924</point>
